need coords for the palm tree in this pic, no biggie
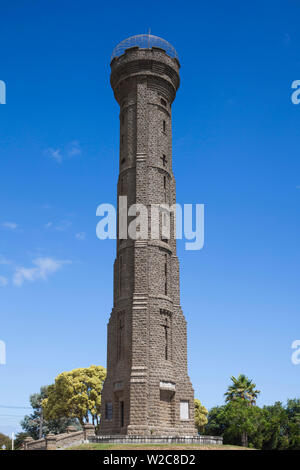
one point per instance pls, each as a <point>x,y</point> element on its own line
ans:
<point>243,388</point>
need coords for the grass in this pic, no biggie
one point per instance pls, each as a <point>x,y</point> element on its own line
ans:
<point>156,447</point>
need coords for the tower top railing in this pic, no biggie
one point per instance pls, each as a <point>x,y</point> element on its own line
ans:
<point>144,41</point>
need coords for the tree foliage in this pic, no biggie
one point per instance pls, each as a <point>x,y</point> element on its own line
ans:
<point>35,425</point>
<point>20,438</point>
<point>240,421</point>
<point>5,441</point>
<point>242,388</point>
<point>273,427</point>
<point>76,394</point>
<point>200,415</point>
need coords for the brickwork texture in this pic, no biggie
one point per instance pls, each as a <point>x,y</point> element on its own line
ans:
<point>147,387</point>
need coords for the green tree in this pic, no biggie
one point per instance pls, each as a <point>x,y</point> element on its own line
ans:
<point>293,410</point>
<point>215,426</point>
<point>76,394</point>
<point>243,388</point>
<point>20,437</point>
<point>273,427</point>
<point>275,431</point>
<point>293,413</point>
<point>200,415</point>
<point>242,423</point>
<point>35,424</point>
<point>5,441</point>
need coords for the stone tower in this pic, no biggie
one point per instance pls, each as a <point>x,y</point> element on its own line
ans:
<point>147,389</point>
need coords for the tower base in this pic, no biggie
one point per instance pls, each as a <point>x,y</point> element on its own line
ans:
<point>130,439</point>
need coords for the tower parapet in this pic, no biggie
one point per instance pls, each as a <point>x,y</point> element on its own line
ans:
<point>161,71</point>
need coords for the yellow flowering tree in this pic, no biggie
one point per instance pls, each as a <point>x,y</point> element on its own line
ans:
<point>76,394</point>
<point>200,415</point>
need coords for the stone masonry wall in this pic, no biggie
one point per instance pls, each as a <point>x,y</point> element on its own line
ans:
<point>61,441</point>
<point>147,376</point>
<point>73,438</point>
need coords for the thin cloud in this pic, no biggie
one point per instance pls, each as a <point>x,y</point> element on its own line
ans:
<point>41,270</point>
<point>80,236</point>
<point>55,154</point>
<point>10,225</point>
<point>70,150</point>
<point>3,281</point>
<point>73,149</point>
<point>64,225</point>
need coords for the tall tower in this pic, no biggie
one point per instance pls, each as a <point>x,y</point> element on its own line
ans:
<point>147,389</point>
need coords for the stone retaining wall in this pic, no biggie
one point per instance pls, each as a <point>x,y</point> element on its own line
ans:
<point>61,441</point>
<point>215,440</point>
<point>73,437</point>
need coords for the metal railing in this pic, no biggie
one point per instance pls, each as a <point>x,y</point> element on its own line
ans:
<point>144,41</point>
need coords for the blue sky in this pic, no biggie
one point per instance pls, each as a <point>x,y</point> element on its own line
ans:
<point>235,149</point>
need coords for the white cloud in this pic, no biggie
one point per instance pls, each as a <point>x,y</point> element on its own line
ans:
<point>3,281</point>
<point>80,236</point>
<point>72,149</point>
<point>55,154</point>
<point>63,226</point>
<point>42,268</point>
<point>10,225</point>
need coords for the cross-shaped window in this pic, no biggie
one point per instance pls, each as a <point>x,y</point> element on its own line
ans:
<point>164,160</point>
<point>120,340</point>
<point>166,334</point>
